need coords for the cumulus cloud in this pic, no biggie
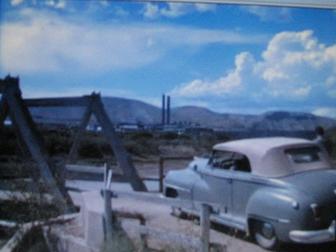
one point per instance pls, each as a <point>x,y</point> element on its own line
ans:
<point>293,65</point>
<point>230,83</point>
<point>325,111</point>
<point>173,10</point>
<point>298,62</point>
<point>44,41</point>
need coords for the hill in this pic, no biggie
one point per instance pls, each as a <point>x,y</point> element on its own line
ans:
<point>122,110</point>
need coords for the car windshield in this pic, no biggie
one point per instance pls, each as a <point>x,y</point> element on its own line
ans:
<point>221,159</point>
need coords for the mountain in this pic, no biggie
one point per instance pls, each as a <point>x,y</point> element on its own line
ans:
<point>276,120</point>
<point>122,110</point>
<point>131,111</point>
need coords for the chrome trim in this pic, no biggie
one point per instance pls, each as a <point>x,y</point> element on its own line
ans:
<point>316,211</point>
<point>284,221</point>
<point>315,236</point>
<point>267,218</point>
<point>178,187</point>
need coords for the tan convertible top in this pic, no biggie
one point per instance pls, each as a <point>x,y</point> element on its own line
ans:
<point>267,155</point>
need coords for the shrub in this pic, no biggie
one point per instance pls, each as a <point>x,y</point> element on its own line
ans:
<point>169,136</point>
<point>141,135</point>
<point>90,150</point>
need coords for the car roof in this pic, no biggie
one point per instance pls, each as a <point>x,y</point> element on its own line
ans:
<point>266,155</point>
<point>261,145</point>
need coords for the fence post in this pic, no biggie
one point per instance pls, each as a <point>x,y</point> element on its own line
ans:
<point>108,222</point>
<point>161,173</point>
<point>205,227</point>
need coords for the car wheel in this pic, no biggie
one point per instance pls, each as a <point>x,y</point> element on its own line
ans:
<point>265,235</point>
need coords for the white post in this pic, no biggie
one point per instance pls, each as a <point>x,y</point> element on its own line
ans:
<point>108,222</point>
<point>205,228</point>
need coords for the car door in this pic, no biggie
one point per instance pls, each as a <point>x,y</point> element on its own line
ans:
<point>244,184</point>
<point>217,179</point>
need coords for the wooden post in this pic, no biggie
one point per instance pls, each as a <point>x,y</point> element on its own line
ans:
<point>97,108</point>
<point>161,173</point>
<point>108,214</point>
<point>119,150</point>
<point>205,227</point>
<point>73,154</point>
<point>108,222</point>
<point>3,111</point>
<point>143,237</point>
<point>27,131</point>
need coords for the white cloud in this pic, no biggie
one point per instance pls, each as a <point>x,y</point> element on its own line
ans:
<point>201,7</point>
<point>16,2</point>
<point>120,12</point>
<point>173,10</point>
<point>297,62</point>
<point>57,43</point>
<point>266,14</point>
<point>151,10</point>
<point>232,82</point>
<point>57,4</point>
<point>302,91</point>
<point>325,111</point>
<point>104,3</point>
<point>294,65</point>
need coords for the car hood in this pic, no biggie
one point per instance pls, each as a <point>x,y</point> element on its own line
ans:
<point>320,184</point>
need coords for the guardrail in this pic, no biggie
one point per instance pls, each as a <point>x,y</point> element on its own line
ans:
<point>96,173</point>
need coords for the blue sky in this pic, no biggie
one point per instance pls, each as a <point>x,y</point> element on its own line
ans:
<point>228,58</point>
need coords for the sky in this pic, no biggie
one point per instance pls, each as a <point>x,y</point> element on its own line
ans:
<point>227,58</point>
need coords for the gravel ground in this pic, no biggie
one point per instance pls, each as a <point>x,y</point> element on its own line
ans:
<point>159,216</point>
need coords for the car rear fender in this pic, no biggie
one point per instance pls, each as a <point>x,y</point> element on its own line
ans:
<point>276,206</point>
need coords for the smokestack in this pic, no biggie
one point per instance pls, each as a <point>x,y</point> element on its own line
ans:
<point>163,111</point>
<point>168,109</point>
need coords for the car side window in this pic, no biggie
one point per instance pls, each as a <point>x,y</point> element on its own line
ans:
<point>241,163</point>
<point>221,160</point>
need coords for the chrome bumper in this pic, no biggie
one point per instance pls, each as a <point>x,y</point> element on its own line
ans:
<point>315,236</point>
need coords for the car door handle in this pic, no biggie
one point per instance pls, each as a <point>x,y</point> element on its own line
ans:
<point>230,181</point>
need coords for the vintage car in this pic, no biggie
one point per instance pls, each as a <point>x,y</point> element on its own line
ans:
<point>276,189</point>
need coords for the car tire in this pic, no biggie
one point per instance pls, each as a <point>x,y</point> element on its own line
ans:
<point>264,234</point>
